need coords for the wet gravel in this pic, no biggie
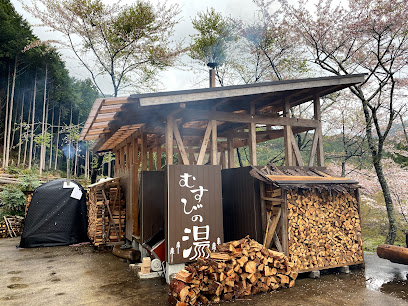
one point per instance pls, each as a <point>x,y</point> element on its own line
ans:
<point>79,276</point>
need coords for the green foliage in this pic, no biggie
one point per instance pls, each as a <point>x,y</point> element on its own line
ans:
<point>13,199</point>
<point>214,34</point>
<point>29,182</point>
<point>46,139</point>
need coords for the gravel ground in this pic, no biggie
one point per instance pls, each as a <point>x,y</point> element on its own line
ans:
<point>79,276</point>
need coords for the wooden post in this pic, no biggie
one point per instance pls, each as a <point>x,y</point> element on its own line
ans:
<point>151,166</point>
<point>158,157</point>
<point>263,208</point>
<point>169,140</point>
<point>230,142</point>
<point>214,145</point>
<point>116,168</point>
<point>252,138</point>
<point>317,116</point>
<point>222,158</point>
<point>287,134</point>
<point>122,159</point>
<point>284,223</point>
<point>191,156</point>
<point>129,155</point>
<point>144,151</point>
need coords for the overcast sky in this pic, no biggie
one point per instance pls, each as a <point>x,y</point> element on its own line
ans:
<point>173,78</point>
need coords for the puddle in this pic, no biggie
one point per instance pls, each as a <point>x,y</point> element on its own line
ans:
<point>386,277</point>
<point>17,286</point>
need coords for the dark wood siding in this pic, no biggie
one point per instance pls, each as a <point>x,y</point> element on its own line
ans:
<point>241,205</point>
<point>152,200</point>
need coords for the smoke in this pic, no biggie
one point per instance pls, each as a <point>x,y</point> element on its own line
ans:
<point>69,151</point>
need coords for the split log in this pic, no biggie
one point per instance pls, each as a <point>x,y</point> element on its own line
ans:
<point>237,269</point>
<point>324,229</point>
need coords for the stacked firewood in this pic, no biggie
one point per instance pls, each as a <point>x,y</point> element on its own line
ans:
<point>323,229</point>
<point>11,226</point>
<point>106,213</point>
<point>237,269</point>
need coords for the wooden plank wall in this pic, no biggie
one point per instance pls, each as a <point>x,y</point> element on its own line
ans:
<point>241,205</point>
<point>152,203</point>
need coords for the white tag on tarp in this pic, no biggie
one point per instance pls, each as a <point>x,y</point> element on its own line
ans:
<point>76,193</point>
<point>71,185</point>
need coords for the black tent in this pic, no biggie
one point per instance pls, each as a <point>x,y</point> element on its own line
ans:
<point>57,215</point>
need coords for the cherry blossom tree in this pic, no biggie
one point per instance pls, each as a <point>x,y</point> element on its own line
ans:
<point>364,36</point>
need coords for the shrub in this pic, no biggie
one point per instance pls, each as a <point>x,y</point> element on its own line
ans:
<point>13,199</point>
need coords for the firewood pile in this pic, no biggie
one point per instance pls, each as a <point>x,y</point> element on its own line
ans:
<point>236,270</point>
<point>106,213</point>
<point>323,229</point>
<point>11,226</point>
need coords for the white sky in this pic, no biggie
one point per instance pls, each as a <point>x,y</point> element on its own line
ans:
<point>173,78</point>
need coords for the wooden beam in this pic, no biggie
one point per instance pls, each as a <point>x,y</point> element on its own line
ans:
<point>180,144</point>
<point>252,138</point>
<point>169,140</point>
<point>204,144</point>
<point>196,114</point>
<point>214,148</point>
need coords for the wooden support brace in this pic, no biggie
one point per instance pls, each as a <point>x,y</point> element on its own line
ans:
<point>314,148</point>
<point>204,144</point>
<point>273,223</point>
<point>180,144</point>
<point>296,150</point>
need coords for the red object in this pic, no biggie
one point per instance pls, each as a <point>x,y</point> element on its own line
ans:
<point>158,250</point>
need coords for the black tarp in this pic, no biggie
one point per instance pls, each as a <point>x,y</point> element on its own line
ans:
<point>54,217</point>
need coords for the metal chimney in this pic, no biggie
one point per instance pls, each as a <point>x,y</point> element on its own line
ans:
<point>212,73</point>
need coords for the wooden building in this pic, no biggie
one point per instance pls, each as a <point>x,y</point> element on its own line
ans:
<point>200,129</point>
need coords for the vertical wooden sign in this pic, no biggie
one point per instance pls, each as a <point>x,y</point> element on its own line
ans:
<point>194,220</point>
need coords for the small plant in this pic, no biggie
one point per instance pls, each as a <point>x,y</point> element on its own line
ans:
<point>13,199</point>
<point>29,182</point>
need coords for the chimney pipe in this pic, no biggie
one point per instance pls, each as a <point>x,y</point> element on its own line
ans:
<point>212,73</point>
<point>212,77</point>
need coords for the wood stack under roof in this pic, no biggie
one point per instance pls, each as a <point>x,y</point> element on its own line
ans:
<point>106,213</point>
<point>312,216</point>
